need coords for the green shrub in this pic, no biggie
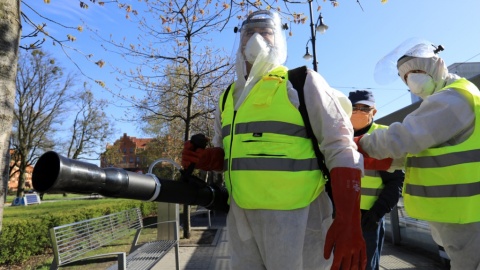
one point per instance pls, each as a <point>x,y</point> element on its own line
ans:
<point>27,234</point>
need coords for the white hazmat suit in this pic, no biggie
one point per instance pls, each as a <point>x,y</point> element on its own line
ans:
<point>444,118</point>
<point>293,239</point>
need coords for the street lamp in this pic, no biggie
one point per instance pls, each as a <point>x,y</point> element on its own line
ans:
<point>307,55</point>
<point>321,28</point>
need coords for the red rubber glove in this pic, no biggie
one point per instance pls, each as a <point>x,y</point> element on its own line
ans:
<point>359,147</point>
<point>209,159</point>
<point>344,236</point>
<point>370,163</point>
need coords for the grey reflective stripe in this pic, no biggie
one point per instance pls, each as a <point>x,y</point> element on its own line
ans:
<point>271,127</point>
<point>458,190</point>
<point>226,131</point>
<point>444,160</point>
<point>371,191</point>
<point>274,164</point>
<point>225,165</point>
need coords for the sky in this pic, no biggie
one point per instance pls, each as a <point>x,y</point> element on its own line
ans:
<point>346,53</point>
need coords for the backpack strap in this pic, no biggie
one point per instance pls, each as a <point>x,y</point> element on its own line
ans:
<point>225,95</point>
<point>297,77</point>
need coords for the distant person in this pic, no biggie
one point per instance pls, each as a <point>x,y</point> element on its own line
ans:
<point>441,143</point>
<point>280,215</point>
<point>380,189</point>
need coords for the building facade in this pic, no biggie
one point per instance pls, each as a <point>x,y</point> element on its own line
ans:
<point>13,181</point>
<point>128,155</point>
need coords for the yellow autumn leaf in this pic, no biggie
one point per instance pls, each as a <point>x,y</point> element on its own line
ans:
<point>101,83</point>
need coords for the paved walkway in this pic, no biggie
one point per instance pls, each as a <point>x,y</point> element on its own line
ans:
<point>215,256</point>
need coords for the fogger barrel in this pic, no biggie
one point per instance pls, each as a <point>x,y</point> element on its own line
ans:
<point>54,172</point>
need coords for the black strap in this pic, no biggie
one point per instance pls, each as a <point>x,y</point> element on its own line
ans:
<point>225,95</point>
<point>297,77</point>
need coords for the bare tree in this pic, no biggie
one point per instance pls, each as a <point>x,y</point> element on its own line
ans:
<point>40,101</point>
<point>91,128</point>
<point>112,155</point>
<point>178,77</point>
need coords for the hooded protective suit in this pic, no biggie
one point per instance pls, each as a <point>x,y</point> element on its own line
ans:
<point>444,123</point>
<point>280,239</point>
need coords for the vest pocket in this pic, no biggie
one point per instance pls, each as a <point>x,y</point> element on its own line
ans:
<point>266,144</point>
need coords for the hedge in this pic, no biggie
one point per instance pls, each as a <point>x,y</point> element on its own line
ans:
<point>24,237</point>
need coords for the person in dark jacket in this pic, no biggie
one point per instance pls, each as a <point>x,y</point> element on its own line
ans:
<point>380,189</point>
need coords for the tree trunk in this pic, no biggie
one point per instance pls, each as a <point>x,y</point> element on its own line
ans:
<point>10,29</point>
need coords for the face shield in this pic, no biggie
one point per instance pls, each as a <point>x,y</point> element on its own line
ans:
<point>386,69</point>
<point>262,48</point>
<point>423,57</point>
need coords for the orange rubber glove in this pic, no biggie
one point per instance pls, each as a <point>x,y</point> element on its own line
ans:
<point>209,159</point>
<point>344,237</point>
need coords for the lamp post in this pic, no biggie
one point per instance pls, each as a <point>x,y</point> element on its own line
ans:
<point>320,27</point>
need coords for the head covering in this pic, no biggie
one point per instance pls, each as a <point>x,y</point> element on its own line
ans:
<point>276,56</point>
<point>362,97</point>
<point>422,57</point>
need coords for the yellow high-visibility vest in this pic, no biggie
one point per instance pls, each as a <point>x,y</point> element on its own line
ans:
<point>443,184</point>
<point>372,183</point>
<point>269,159</point>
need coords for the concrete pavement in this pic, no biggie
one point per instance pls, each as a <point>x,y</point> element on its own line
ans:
<point>215,256</point>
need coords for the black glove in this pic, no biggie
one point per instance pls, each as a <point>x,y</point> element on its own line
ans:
<point>370,221</point>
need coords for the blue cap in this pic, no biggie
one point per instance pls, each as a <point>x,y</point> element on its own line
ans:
<point>362,97</point>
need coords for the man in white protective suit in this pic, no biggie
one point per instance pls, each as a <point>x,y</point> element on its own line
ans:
<point>280,216</point>
<point>440,141</point>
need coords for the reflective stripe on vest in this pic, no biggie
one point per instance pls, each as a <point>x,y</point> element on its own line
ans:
<point>270,162</point>
<point>443,184</point>
<point>372,184</point>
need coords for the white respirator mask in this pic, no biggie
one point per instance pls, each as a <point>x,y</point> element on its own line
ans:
<point>420,84</point>
<point>255,47</point>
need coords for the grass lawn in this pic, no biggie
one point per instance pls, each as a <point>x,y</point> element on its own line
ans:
<point>52,197</point>
<point>61,205</point>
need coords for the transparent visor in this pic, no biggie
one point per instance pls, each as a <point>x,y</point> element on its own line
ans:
<point>263,23</point>
<point>268,25</point>
<point>386,69</point>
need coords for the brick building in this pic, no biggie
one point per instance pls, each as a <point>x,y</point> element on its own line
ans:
<point>13,181</point>
<point>130,149</point>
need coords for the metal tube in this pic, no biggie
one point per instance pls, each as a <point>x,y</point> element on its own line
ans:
<point>54,172</point>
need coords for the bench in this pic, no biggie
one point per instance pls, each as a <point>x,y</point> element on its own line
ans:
<point>75,242</point>
<point>200,210</point>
